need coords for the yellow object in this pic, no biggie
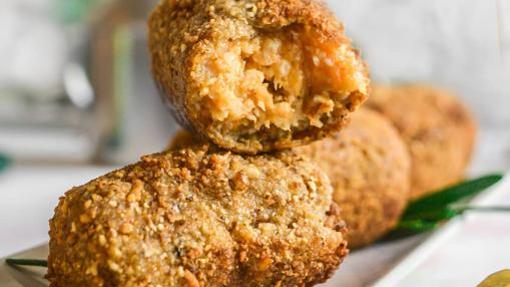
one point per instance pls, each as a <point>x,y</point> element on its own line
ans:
<point>498,279</point>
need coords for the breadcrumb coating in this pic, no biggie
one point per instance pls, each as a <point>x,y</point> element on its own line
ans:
<point>255,75</point>
<point>183,139</point>
<point>438,128</point>
<point>199,217</point>
<point>369,167</point>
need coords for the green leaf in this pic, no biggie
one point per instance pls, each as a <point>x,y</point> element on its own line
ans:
<point>27,262</point>
<point>434,214</point>
<point>409,228</point>
<point>439,201</point>
<point>429,212</point>
<point>417,225</point>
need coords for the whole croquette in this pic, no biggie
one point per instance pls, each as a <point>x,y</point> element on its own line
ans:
<point>255,75</point>
<point>439,130</point>
<point>199,217</point>
<point>369,167</point>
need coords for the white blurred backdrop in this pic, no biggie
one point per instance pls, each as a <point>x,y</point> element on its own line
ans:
<point>78,71</point>
<point>463,45</point>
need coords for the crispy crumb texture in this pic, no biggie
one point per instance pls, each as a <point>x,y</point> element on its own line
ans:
<point>255,75</point>
<point>369,167</point>
<point>439,131</point>
<point>199,217</point>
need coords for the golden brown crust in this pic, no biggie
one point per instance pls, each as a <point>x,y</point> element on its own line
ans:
<point>184,36</point>
<point>369,168</point>
<point>183,139</point>
<point>439,131</point>
<point>198,217</point>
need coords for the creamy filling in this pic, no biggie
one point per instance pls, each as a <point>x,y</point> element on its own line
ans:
<point>285,80</point>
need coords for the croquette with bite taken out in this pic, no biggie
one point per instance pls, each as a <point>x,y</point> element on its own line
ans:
<point>255,75</point>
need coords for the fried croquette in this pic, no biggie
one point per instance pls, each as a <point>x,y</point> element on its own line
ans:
<point>255,75</point>
<point>438,128</point>
<point>199,217</point>
<point>369,167</point>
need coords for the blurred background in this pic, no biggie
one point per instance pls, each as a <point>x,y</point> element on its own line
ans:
<point>75,85</point>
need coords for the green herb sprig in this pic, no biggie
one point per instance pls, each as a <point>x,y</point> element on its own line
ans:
<point>429,212</point>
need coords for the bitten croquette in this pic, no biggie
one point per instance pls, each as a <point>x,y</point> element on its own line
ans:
<point>255,75</point>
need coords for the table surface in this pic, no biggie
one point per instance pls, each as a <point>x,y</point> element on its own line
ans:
<point>28,195</point>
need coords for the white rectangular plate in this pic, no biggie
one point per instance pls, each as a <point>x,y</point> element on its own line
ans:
<point>461,253</point>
